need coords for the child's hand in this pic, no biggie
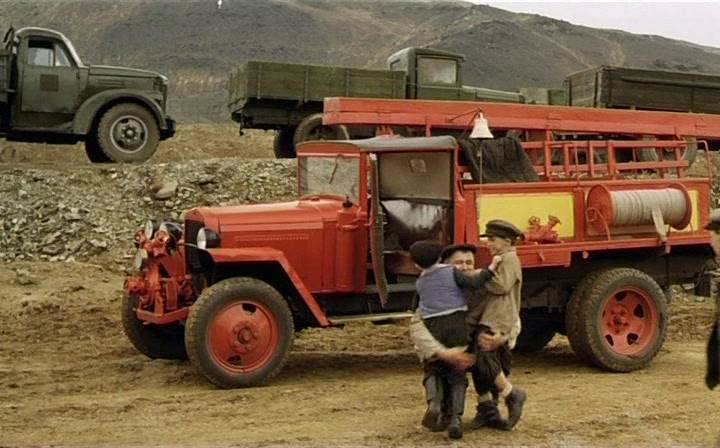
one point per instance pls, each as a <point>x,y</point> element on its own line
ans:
<point>488,342</point>
<point>494,263</point>
<point>458,358</point>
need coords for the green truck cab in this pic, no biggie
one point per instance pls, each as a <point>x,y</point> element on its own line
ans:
<point>48,95</point>
<point>289,97</point>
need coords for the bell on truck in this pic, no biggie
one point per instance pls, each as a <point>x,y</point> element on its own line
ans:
<point>480,128</point>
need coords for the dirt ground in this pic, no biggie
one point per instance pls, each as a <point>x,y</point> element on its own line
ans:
<point>216,140</point>
<point>69,376</point>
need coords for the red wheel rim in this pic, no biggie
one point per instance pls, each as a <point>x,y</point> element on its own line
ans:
<point>243,336</point>
<point>629,321</point>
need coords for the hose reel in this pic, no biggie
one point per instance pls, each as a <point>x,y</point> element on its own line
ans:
<point>659,208</point>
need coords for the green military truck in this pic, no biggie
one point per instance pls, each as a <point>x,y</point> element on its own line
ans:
<point>48,95</point>
<point>634,88</point>
<point>289,97</point>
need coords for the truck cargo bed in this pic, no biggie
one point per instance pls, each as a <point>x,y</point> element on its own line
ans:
<point>619,87</point>
<point>305,83</point>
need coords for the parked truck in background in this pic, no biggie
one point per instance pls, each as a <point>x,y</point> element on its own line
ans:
<point>634,88</point>
<point>48,95</point>
<point>289,97</point>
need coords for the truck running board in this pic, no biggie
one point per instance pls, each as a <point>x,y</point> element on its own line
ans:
<point>370,317</point>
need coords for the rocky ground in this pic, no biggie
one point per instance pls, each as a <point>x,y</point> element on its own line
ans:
<point>68,375</point>
<point>57,206</point>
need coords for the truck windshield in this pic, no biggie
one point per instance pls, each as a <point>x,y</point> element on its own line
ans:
<point>437,71</point>
<point>336,174</point>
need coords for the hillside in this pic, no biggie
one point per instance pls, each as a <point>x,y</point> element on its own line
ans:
<point>196,44</point>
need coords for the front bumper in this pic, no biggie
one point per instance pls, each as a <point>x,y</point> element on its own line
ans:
<point>170,127</point>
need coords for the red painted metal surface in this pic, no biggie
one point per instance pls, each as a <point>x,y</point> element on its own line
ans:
<point>629,321</point>
<point>243,336</point>
<point>163,287</point>
<point>546,255</point>
<point>460,115</point>
<point>261,254</point>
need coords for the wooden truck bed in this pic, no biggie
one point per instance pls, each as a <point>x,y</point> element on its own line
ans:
<point>618,87</point>
<point>255,80</point>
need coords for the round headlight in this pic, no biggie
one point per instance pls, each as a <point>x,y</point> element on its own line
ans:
<point>149,229</point>
<point>141,257</point>
<point>202,239</point>
<point>207,238</point>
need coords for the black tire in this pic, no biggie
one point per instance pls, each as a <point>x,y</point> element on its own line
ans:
<point>588,308</point>
<point>654,154</point>
<point>94,152</point>
<point>222,299</point>
<point>536,332</point>
<point>283,145</point>
<point>128,133</point>
<point>311,128</point>
<point>573,318</point>
<point>153,341</point>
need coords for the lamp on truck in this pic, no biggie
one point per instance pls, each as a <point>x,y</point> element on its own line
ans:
<point>480,127</point>
<point>207,238</point>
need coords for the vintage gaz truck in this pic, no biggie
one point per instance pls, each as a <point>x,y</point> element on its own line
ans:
<point>48,95</point>
<point>289,97</point>
<point>229,287</point>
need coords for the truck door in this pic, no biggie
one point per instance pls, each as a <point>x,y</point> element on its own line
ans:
<point>49,79</point>
<point>411,201</point>
<point>416,196</point>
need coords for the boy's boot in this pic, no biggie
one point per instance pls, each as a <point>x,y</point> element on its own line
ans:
<point>457,406</point>
<point>434,396</point>
<point>445,413</point>
<point>515,402</point>
<point>488,415</point>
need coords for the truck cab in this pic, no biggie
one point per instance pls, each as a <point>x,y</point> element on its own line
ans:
<point>48,95</point>
<point>436,74</point>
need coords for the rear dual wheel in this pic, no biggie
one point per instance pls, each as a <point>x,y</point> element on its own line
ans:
<point>283,145</point>
<point>312,128</point>
<point>688,154</point>
<point>617,319</point>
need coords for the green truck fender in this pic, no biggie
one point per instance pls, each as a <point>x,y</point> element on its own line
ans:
<point>94,106</point>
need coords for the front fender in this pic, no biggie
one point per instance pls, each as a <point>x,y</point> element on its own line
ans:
<point>268,254</point>
<point>89,109</point>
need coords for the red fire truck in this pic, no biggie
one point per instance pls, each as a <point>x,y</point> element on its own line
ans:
<point>605,240</point>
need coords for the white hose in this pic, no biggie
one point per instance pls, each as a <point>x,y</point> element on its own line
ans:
<point>635,207</point>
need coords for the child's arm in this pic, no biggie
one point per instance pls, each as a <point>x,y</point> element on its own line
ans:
<point>503,280</point>
<point>474,279</point>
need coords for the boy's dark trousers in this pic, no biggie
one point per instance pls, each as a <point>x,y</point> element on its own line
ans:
<point>444,386</point>
<point>489,364</point>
